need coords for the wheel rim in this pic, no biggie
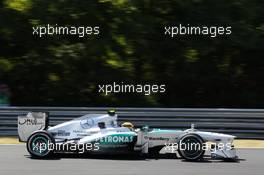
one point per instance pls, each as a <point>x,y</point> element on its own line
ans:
<point>193,147</point>
<point>39,146</point>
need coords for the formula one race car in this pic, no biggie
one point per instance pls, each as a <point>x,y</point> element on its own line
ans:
<point>100,133</point>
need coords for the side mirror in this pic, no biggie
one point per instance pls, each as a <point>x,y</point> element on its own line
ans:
<point>145,128</point>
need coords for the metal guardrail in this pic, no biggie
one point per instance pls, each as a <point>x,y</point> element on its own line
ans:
<point>243,123</point>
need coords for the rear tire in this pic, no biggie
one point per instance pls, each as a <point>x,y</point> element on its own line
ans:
<point>38,144</point>
<point>191,147</point>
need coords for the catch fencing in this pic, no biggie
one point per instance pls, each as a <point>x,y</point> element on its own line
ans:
<point>243,123</point>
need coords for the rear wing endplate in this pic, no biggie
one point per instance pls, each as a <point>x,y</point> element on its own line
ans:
<point>33,121</point>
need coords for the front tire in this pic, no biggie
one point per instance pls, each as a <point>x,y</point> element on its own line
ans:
<point>191,147</point>
<point>38,144</point>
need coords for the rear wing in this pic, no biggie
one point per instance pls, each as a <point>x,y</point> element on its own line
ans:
<point>33,121</point>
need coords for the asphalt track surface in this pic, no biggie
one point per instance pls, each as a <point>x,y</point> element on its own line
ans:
<point>14,160</point>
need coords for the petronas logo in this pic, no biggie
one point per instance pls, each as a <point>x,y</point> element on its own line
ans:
<point>116,139</point>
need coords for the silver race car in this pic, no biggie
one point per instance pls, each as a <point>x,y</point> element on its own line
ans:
<point>101,134</point>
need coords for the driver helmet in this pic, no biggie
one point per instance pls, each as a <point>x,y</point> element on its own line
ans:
<point>127,125</point>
